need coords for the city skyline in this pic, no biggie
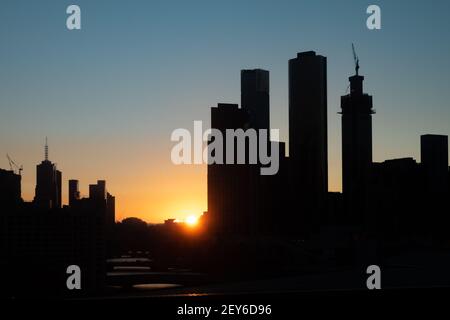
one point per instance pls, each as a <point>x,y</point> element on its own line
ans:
<point>408,99</point>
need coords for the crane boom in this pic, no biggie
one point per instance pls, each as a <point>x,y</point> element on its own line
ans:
<point>13,165</point>
<point>356,59</point>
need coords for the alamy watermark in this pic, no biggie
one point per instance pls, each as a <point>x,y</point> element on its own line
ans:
<point>73,281</point>
<point>373,22</point>
<point>374,280</point>
<point>73,21</point>
<point>240,145</point>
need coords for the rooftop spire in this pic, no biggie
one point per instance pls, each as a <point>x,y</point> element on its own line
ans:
<point>46,149</point>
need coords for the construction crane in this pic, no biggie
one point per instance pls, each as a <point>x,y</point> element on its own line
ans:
<point>356,59</point>
<point>14,167</point>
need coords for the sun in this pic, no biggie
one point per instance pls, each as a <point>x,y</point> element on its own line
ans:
<point>191,220</point>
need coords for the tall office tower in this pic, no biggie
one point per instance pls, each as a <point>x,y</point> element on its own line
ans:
<point>255,100</point>
<point>97,192</point>
<point>434,163</point>
<point>273,198</point>
<point>231,200</point>
<point>255,97</point>
<point>434,158</point>
<point>110,223</point>
<point>308,138</point>
<point>395,198</point>
<point>356,110</point>
<point>74,192</point>
<point>110,209</point>
<point>48,184</point>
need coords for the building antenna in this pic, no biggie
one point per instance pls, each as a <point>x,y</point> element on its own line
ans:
<point>46,149</point>
<point>356,59</point>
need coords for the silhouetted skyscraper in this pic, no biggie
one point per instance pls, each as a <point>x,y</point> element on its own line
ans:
<point>396,192</point>
<point>110,210</point>
<point>308,136</point>
<point>74,193</point>
<point>273,198</point>
<point>434,159</point>
<point>231,187</point>
<point>255,97</point>
<point>48,184</point>
<point>356,150</point>
<point>97,192</point>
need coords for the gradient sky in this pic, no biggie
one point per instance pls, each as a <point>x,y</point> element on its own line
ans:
<point>108,96</point>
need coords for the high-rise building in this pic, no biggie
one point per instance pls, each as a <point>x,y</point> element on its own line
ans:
<point>434,159</point>
<point>273,197</point>
<point>255,97</point>
<point>308,138</point>
<point>48,184</point>
<point>74,192</point>
<point>396,198</point>
<point>110,209</point>
<point>265,190</point>
<point>356,110</point>
<point>231,202</point>
<point>97,191</point>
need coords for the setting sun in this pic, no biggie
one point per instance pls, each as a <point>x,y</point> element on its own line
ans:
<point>192,220</point>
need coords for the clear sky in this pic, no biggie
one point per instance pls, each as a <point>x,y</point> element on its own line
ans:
<point>109,95</point>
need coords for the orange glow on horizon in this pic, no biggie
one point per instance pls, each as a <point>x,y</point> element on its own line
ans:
<point>191,221</point>
<point>146,184</point>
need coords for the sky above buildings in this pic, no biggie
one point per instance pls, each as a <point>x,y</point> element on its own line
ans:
<point>108,96</point>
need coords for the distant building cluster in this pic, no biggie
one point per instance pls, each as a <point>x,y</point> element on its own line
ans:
<point>40,239</point>
<point>385,203</point>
